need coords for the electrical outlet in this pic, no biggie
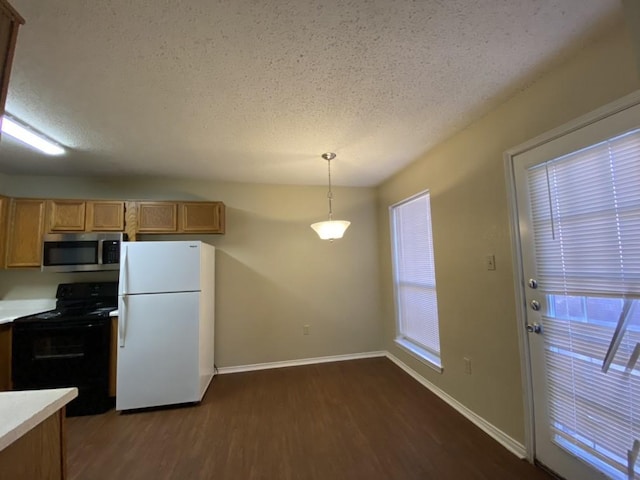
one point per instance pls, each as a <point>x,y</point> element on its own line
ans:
<point>467,365</point>
<point>305,329</point>
<point>490,262</point>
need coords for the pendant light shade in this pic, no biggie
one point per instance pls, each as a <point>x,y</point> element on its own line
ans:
<point>330,229</point>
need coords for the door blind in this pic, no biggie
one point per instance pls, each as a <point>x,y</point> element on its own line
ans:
<point>586,211</point>
<point>585,208</point>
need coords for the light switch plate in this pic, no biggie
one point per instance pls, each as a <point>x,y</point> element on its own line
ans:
<point>490,261</point>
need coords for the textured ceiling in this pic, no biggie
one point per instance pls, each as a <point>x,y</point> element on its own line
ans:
<point>255,91</point>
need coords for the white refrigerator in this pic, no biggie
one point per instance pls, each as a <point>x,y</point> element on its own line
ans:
<point>165,323</point>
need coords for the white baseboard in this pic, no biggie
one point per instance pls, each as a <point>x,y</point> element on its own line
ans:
<point>498,435</point>
<point>302,361</point>
<point>502,438</point>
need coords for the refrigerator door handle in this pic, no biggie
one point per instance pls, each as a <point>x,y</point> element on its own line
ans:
<point>123,273</point>
<point>122,319</point>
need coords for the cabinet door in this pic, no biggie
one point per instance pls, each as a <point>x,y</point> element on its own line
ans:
<point>39,453</point>
<point>105,216</point>
<point>202,217</point>
<point>4,211</point>
<point>10,20</point>
<point>66,215</point>
<point>24,233</point>
<point>157,217</point>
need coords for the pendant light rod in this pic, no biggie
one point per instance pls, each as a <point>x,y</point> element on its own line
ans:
<point>328,157</point>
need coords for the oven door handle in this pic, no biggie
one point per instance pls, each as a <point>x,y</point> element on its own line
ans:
<point>122,320</point>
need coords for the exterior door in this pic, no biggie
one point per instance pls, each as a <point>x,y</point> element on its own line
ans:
<point>578,209</point>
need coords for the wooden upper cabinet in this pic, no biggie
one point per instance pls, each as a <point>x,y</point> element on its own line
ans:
<point>180,217</point>
<point>24,233</point>
<point>157,217</point>
<point>10,21</point>
<point>202,217</point>
<point>28,219</point>
<point>105,216</point>
<point>85,216</point>
<point>66,215</point>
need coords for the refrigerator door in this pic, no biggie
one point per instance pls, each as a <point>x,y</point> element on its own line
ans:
<point>158,350</point>
<point>159,267</point>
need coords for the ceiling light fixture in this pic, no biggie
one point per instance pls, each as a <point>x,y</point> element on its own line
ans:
<point>21,131</point>
<point>331,229</point>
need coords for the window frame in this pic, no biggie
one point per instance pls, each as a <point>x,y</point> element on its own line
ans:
<point>413,348</point>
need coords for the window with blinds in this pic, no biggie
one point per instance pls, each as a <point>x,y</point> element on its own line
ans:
<point>586,219</point>
<point>415,279</point>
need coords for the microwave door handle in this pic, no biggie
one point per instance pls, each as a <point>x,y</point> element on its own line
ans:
<point>100,251</point>
<point>122,322</point>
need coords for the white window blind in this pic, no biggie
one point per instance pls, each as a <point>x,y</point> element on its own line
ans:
<point>586,220</point>
<point>414,277</point>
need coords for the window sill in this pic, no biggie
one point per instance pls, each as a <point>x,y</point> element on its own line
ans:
<point>420,354</point>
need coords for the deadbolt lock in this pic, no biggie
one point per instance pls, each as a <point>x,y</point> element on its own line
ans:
<point>534,328</point>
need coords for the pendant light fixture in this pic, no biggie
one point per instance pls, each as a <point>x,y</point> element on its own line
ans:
<point>330,229</point>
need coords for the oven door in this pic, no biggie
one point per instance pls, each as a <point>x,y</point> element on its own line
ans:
<point>60,354</point>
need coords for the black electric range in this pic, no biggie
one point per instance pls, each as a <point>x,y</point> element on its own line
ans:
<point>68,346</point>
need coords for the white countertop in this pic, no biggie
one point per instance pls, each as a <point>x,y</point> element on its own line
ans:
<point>114,313</point>
<point>12,309</point>
<point>21,411</point>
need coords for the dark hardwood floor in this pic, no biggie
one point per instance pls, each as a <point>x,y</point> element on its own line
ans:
<point>361,419</point>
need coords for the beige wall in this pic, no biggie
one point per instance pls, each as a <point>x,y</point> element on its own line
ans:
<point>632,18</point>
<point>273,274</point>
<point>466,179</point>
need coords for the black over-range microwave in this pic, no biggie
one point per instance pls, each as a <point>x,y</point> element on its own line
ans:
<point>81,252</point>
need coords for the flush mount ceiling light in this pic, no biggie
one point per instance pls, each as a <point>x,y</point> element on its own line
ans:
<point>21,131</point>
<point>331,229</point>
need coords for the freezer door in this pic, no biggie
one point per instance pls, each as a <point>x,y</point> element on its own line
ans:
<point>158,350</point>
<point>158,267</point>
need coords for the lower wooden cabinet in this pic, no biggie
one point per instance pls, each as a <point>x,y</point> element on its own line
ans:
<point>4,212</point>
<point>39,453</point>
